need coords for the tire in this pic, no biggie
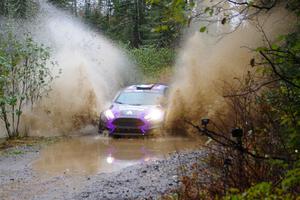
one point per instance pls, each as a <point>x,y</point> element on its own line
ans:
<point>100,127</point>
<point>115,136</point>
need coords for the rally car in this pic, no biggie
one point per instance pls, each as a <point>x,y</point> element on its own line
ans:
<point>136,110</point>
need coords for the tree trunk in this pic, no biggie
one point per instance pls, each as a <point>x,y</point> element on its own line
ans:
<point>136,40</point>
<point>87,8</point>
<point>6,122</point>
<point>2,8</point>
<point>108,11</point>
<point>99,6</point>
<point>75,7</point>
<point>22,8</point>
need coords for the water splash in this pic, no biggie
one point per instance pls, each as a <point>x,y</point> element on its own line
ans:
<point>93,69</point>
<point>206,63</point>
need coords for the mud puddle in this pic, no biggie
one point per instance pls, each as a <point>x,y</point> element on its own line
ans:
<point>96,154</point>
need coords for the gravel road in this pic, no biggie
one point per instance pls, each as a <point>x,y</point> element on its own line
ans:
<point>18,180</point>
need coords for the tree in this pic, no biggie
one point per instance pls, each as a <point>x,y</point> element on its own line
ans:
<point>18,8</point>
<point>265,105</point>
<point>25,76</point>
<point>70,5</point>
<point>134,22</point>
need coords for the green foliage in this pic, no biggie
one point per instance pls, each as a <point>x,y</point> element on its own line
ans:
<point>259,191</point>
<point>275,128</point>
<point>292,179</point>
<point>174,15</point>
<point>25,77</point>
<point>136,22</point>
<point>61,3</point>
<point>287,190</point>
<point>203,29</point>
<point>16,152</point>
<point>294,6</point>
<point>152,60</point>
<point>18,8</point>
<point>284,100</point>
<point>278,120</point>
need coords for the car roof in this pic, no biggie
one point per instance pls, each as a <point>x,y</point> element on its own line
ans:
<point>155,87</point>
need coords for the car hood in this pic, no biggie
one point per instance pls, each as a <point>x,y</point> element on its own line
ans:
<point>132,111</point>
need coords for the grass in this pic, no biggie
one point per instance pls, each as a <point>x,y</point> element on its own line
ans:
<point>155,63</point>
<point>16,152</point>
<point>25,141</point>
<point>161,75</point>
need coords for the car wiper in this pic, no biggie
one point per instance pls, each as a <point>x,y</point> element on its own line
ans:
<point>136,104</point>
<point>118,102</point>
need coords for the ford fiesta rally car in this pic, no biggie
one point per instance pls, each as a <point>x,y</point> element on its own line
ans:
<point>136,110</point>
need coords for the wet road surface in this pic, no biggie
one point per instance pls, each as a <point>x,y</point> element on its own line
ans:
<point>96,154</point>
<point>97,167</point>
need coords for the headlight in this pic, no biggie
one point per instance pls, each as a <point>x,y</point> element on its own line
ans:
<point>110,159</point>
<point>109,114</point>
<point>155,115</point>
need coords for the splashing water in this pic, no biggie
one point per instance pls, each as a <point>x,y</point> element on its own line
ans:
<point>93,69</point>
<point>205,63</point>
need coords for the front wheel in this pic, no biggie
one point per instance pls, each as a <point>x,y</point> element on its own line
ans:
<point>115,136</point>
<point>101,127</point>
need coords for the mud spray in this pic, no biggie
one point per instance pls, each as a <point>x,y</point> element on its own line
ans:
<point>206,62</point>
<point>93,69</point>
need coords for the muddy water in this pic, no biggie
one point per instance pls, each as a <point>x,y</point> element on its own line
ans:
<point>96,154</point>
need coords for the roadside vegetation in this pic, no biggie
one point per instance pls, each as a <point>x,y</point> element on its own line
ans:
<point>12,146</point>
<point>26,75</point>
<point>260,158</point>
<point>155,63</point>
<point>139,27</point>
<point>27,71</point>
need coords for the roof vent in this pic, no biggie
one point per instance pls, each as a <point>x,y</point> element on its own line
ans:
<point>144,87</point>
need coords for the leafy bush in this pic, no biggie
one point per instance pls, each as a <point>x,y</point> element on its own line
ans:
<point>285,189</point>
<point>152,61</point>
<point>25,77</point>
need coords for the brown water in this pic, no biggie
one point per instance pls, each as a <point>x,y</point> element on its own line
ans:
<point>93,70</point>
<point>96,154</point>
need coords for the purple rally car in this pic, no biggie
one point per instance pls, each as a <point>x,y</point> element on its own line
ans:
<point>136,110</point>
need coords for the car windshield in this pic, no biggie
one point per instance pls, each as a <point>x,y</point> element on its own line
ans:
<point>139,98</point>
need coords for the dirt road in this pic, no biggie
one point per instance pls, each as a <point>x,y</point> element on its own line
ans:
<point>94,167</point>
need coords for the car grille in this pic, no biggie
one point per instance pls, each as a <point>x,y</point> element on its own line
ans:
<point>128,131</point>
<point>128,122</point>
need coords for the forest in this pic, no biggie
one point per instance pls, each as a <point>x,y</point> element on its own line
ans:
<point>233,68</point>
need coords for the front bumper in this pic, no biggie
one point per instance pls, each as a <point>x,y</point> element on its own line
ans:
<point>128,126</point>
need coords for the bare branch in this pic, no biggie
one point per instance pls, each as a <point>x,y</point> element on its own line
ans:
<point>260,7</point>
<point>252,90</point>
<point>232,144</point>
<point>276,72</point>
